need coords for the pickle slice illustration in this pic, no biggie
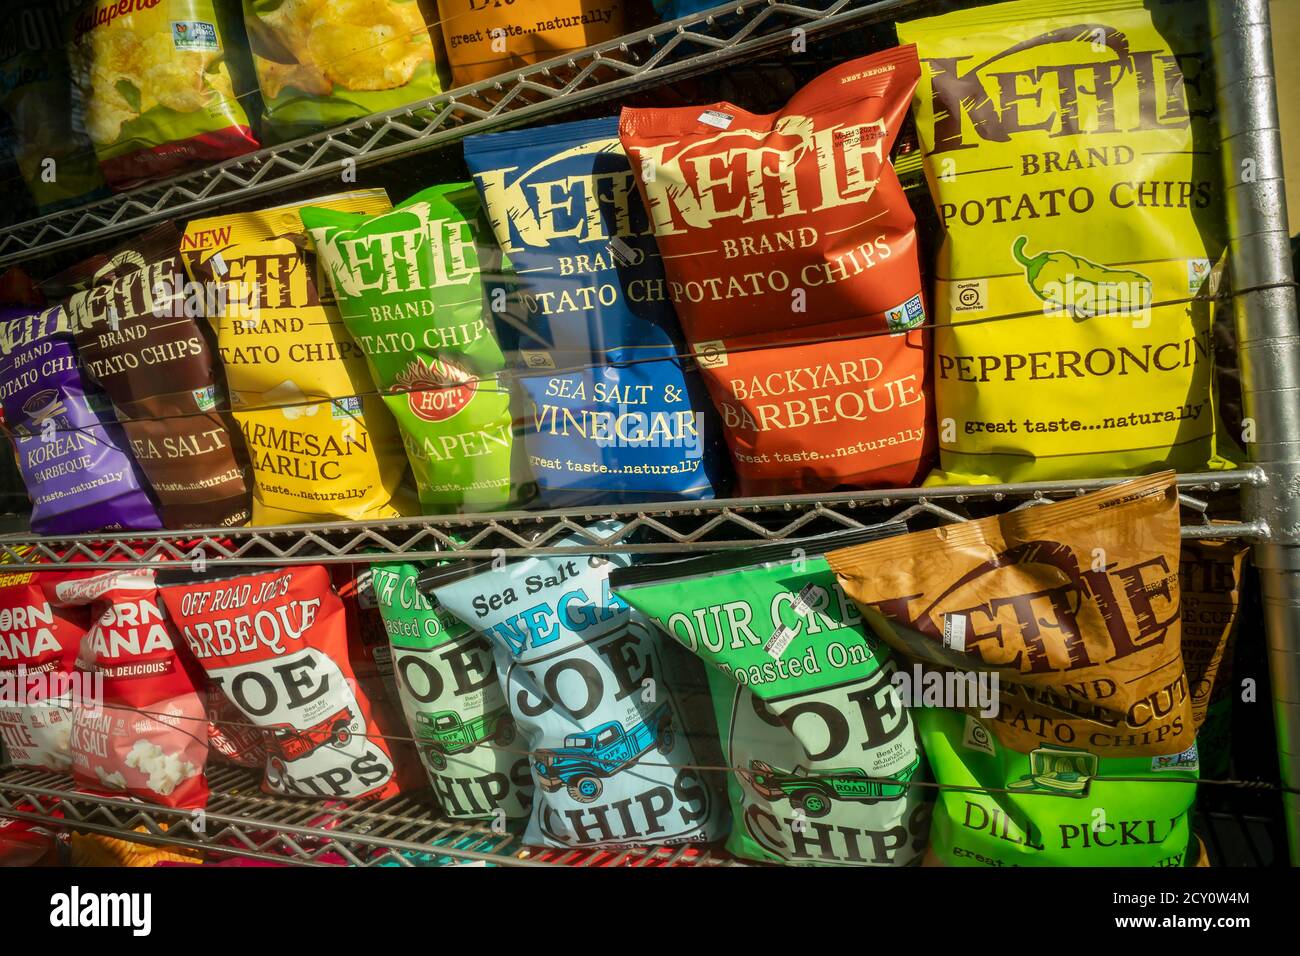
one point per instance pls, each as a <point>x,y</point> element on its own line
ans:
<point>1080,286</point>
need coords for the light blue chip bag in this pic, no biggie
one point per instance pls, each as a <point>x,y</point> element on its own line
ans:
<point>593,689</point>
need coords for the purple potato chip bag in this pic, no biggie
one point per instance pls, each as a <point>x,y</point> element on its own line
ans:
<point>77,469</point>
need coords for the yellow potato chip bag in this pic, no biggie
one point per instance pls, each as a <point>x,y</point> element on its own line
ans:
<point>1069,147</point>
<point>324,62</point>
<point>155,81</point>
<point>322,445</point>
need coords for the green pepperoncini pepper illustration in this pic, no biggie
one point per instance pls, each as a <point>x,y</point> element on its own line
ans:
<point>1083,287</point>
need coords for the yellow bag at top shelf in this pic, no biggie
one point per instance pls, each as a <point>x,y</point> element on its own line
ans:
<point>322,444</point>
<point>1070,150</point>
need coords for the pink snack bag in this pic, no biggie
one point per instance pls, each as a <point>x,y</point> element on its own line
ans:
<point>149,740</point>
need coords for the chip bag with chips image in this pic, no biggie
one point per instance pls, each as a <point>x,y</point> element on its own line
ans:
<point>1069,147</point>
<point>157,89</point>
<point>325,62</point>
<point>410,290</point>
<point>321,444</point>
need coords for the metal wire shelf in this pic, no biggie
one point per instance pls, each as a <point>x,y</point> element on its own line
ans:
<point>667,51</point>
<point>241,821</point>
<point>668,527</point>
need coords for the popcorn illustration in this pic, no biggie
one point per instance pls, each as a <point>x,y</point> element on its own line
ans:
<point>114,780</point>
<point>165,771</point>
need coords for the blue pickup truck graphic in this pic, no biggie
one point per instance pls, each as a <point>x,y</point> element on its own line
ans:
<point>588,757</point>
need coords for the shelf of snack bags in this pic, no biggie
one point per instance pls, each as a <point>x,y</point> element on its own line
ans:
<point>221,164</point>
<point>666,528</point>
<point>788,512</point>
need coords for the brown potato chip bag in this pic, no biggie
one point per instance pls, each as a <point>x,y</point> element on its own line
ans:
<point>138,334</point>
<point>1074,606</point>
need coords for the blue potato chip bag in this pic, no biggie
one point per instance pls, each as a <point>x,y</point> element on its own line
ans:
<point>592,688</point>
<point>614,414</point>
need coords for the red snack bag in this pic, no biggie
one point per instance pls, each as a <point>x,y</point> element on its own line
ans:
<point>371,657</point>
<point>276,644</point>
<point>38,678</point>
<point>149,738</point>
<point>26,842</point>
<point>790,254</point>
<point>831,412</point>
<point>750,209</point>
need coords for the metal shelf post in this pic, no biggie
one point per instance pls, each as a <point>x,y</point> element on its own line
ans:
<point>1268,349</point>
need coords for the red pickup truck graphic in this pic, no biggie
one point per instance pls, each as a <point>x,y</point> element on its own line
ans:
<point>289,743</point>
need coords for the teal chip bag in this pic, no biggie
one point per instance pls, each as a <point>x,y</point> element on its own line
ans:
<point>598,695</point>
<point>454,705</point>
<point>1056,805</point>
<point>824,756</point>
<point>409,289</point>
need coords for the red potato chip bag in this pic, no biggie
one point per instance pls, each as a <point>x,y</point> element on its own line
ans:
<point>828,412</point>
<point>276,644</point>
<point>371,658</point>
<point>149,738</point>
<point>767,223</point>
<point>790,255</point>
<point>39,643</point>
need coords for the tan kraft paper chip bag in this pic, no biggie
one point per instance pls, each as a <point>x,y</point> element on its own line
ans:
<point>1075,606</point>
<point>323,445</point>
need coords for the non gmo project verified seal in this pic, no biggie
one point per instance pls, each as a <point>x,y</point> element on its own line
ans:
<point>906,316</point>
<point>194,35</point>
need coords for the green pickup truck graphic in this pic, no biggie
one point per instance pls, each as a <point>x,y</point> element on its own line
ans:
<point>812,791</point>
<point>443,733</point>
<point>588,757</point>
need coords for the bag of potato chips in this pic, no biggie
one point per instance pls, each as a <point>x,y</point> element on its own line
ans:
<point>321,446</point>
<point>486,39</point>
<point>1075,606</point>
<point>790,255</point>
<point>154,80</point>
<point>409,290</point>
<point>325,62</point>
<point>1070,149</point>
<point>615,413</point>
<point>1074,609</point>
<point>139,338</point>
<point>1054,806</point>
<point>823,752</point>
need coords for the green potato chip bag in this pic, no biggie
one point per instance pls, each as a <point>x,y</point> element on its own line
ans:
<point>1053,806</point>
<point>410,291</point>
<point>821,749</point>
<point>453,702</point>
